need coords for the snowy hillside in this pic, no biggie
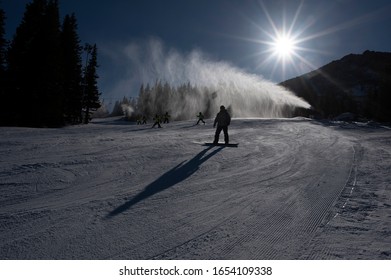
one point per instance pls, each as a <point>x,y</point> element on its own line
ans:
<point>293,189</point>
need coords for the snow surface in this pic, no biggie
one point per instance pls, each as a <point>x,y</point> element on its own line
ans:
<point>293,189</point>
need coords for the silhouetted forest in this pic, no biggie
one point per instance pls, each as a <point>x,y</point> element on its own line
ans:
<point>182,102</point>
<point>43,80</point>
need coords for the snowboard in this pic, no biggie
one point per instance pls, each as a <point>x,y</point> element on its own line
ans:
<point>222,144</point>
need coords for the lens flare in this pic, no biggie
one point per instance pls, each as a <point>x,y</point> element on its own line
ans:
<point>287,37</point>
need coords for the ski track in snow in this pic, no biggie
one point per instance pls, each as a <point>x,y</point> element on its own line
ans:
<point>293,189</point>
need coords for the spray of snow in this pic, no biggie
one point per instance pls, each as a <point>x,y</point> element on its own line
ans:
<point>127,110</point>
<point>247,95</point>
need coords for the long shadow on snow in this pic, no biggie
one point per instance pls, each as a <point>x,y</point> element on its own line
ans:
<point>172,177</point>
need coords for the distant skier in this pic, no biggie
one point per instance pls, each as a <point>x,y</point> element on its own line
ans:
<point>200,117</point>
<point>166,118</point>
<point>157,120</point>
<point>142,120</point>
<point>223,120</point>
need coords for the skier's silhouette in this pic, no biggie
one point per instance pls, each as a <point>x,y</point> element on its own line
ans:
<point>176,175</point>
<point>157,120</point>
<point>223,120</point>
<point>166,118</point>
<point>200,117</point>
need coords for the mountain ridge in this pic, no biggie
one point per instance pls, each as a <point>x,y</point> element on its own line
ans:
<point>357,83</point>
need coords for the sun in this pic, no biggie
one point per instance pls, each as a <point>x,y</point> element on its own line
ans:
<point>283,42</point>
<point>286,40</point>
<point>283,46</point>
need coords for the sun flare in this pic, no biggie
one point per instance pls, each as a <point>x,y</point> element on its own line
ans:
<point>283,42</point>
<point>286,39</point>
<point>283,46</point>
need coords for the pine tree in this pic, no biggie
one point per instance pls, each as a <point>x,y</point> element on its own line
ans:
<point>117,109</point>
<point>22,62</point>
<point>52,89</point>
<point>71,70</point>
<point>3,44</point>
<point>3,95</point>
<point>44,69</point>
<point>34,66</point>
<point>91,91</point>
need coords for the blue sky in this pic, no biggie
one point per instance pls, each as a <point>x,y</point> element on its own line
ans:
<point>239,32</point>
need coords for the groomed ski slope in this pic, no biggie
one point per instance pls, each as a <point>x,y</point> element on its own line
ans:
<point>293,189</point>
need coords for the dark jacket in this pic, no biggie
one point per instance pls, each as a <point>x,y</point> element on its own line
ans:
<point>222,118</point>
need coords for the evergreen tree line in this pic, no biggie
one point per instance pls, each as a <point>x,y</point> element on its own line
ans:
<point>182,102</point>
<point>43,82</point>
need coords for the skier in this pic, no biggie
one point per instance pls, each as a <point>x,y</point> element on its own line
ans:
<point>223,120</point>
<point>157,120</point>
<point>144,119</point>
<point>166,118</point>
<point>200,117</point>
